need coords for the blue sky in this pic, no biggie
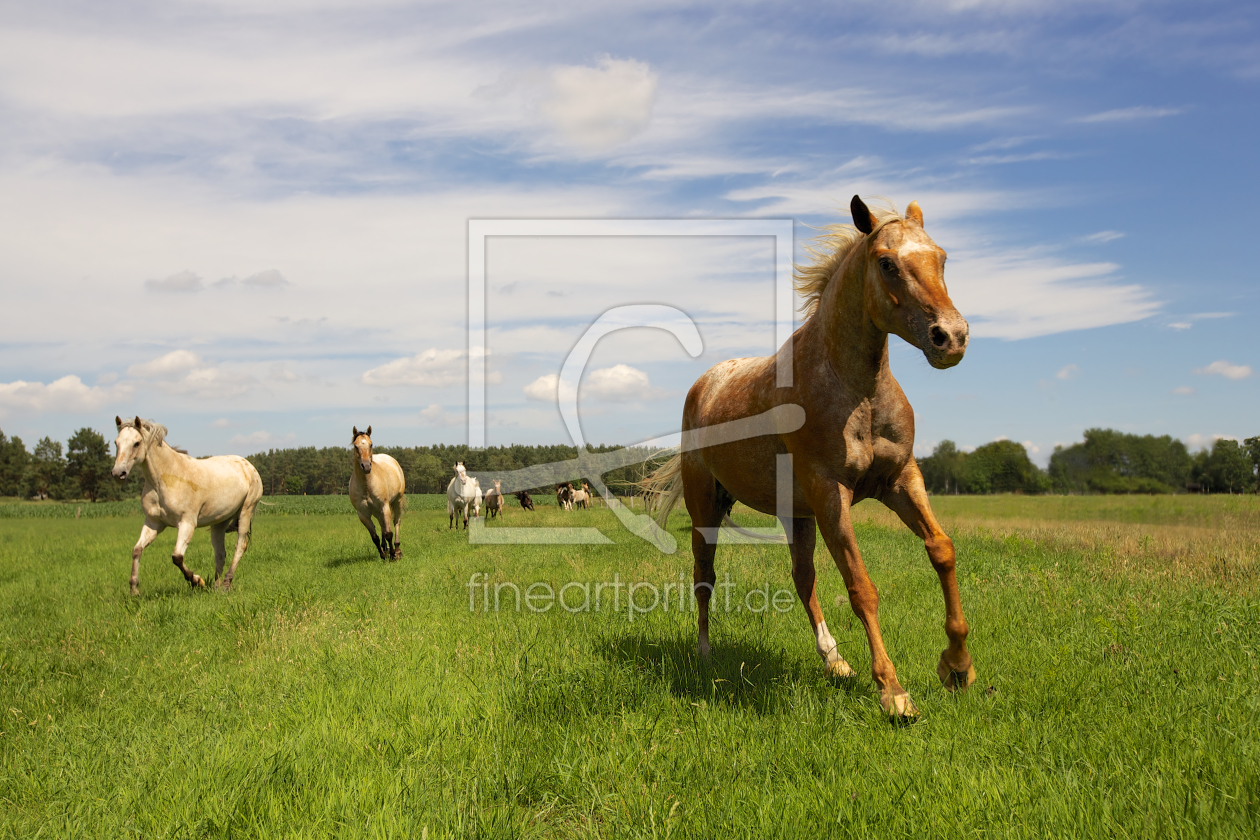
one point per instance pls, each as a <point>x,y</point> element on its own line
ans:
<point>249,220</point>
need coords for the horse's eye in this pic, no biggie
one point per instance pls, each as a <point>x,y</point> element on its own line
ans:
<point>136,445</point>
<point>888,265</point>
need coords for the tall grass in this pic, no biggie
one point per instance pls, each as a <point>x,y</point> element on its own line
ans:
<point>332,694</point>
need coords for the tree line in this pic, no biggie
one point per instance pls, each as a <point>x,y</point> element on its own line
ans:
<point>1107,461</point>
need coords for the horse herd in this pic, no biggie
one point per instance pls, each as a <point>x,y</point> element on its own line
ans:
<point>804,447</point>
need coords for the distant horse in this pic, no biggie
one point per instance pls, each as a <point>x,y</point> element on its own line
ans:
<point>377,489</point>
<point>564,496</point>
<point>462,495</point>
<point>580,499</point>
<point>187,493</point>
<point>526,502</point>
<point>494,500</point>
<point>881,275</point>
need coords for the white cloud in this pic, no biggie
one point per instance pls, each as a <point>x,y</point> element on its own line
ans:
<point>261,439</point>
<point>221,423</point>
<point>1068,372</point>
<point>545,389</point>
<point>1104,236</point>
<point>172,364</point>
<point>1225,369</point>
<point>184,281</point>
<point>599,107</point>
<point>619,383</point>
<point>1183,390</point>
<point>1198,441</point>
<point>1031,447</point>
<point>269,279</point>
<point>436,415</point>
<point>183,372</point>
<point>279,373</point>
<point>1139,112</point>
<point>67,394</point>
<point>1180,325</point>
<point>433,368</point>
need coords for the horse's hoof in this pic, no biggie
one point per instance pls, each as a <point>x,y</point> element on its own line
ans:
<point>840,668</point>
<point>197,582</point>
<point>899,708</point>
<point>135,590</point>
<point>955,680</point>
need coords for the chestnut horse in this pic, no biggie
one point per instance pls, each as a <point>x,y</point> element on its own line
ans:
<point>377,489</point>
<point>187,493</point>
<point>881,275</point>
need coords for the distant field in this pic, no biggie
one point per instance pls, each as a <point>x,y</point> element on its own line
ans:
<point>331,694</point>
<point>271,506</point>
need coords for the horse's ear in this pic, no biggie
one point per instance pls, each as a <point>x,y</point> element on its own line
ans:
<point>862,218</point>
<point>139,425</point>
<point>914,214</point>
<point>118,422</point>
<point>369,431</point>
<point>355,431</point>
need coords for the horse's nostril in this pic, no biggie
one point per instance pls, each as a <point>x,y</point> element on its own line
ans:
<point>939,337</point>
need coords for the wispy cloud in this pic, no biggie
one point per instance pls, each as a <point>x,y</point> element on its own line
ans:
<point>1138,112</point>
<point>1225,369</point>
<point>183,281</point>
<point>1068,372</point>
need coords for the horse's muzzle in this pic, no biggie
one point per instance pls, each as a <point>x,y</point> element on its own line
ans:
<point>366,466</point>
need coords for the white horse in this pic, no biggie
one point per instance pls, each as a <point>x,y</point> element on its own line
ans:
<point>377,489</point>
<point>462,494</point>
<point>187,493</point>
<point>580,499</point>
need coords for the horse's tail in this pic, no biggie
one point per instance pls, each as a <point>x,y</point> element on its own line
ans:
<point>662,489</point>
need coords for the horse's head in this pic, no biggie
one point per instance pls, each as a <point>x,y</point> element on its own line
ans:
<point>905,285</point>
<point>362,442</point>
<point>131,446</point>
<point>460,472</point>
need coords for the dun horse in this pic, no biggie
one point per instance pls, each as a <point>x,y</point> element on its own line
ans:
<point>494,500</point>
<point>882,275</point>
<point>463,495</point>
<point>377,490</point>
<point>187,493</point>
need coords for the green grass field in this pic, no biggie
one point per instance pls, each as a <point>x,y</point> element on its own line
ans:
<point>333,695</point>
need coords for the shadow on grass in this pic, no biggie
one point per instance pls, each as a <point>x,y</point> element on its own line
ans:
<point>741,675</point>
<point>352,560</point>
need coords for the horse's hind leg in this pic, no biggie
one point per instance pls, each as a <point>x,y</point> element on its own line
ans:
<point>148,533</point>
<point>908,499</point>
<point>701,497</point>
<point>244,527</point>
<point>217,533</point>
<point>182,539</point>
<point>804,538</point>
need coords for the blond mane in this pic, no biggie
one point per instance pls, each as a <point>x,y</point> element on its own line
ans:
<point>828,250</point>
<point>154,434</point>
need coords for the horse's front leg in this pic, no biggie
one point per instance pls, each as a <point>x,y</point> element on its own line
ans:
<point>387,531</point>
<point>831,502</point>
<point>148,533</point>
<point>366,519</point>
<point>182,539</point>
<point>909,500</point>
<point>804,537</point>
